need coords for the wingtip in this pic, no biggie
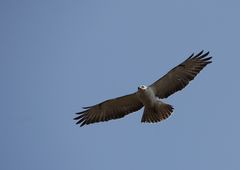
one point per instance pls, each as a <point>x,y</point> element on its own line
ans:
<point>207,60</point>
<point>87,107</point>
<point>207,53</point>
<point>78,117</point>
<point>82,124</point>
<point>199,54</point>
<point>190,56</point>
<point>79,113</point>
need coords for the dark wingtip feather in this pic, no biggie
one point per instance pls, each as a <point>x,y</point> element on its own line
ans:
<point>207,53</point>
<point>83,123</point>
<point>87,107</point>
<point>79,113</point>
<point>207,59</point>
<point>202,56</point>
<point>199,54</point>
<point>81,118</point>
<point>190,56</point>
<point>78,117</point>
<point>75,118</point>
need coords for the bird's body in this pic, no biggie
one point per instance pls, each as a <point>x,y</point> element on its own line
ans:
<point>147,96</point>
<point>154,108</point>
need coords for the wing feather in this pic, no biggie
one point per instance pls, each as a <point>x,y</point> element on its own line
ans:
<point>180,76</point>
<point>109,109</point>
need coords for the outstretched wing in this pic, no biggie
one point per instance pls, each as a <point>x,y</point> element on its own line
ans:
<point>109,109</point>
<point>179,77</point>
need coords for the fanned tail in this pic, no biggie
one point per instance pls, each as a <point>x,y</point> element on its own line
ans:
<point>158,113</point>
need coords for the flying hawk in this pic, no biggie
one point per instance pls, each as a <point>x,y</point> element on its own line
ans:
<point>147,96</point>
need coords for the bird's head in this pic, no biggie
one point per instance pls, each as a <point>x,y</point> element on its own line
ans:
<point>142,88</point>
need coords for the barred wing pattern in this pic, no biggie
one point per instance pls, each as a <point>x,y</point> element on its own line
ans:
<point>109,109</point>
<point>180,76</point>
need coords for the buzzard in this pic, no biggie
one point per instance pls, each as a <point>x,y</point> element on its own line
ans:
<point>147,96</point>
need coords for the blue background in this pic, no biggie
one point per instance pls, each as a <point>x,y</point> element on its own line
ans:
<point>57,56</point>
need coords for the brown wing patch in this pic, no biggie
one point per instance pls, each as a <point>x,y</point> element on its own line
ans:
<point>180,76</point>
<point>109,109</point>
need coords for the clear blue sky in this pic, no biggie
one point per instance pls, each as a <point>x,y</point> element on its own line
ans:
<point>57,56</point>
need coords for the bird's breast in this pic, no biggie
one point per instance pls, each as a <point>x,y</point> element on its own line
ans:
<point>147,97</point>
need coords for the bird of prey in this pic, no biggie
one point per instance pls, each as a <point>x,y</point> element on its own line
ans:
<point>148,97</point>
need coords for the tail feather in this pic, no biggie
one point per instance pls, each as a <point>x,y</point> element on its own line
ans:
<point>158,113</point>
